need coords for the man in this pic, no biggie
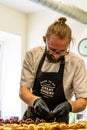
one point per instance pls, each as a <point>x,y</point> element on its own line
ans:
<point>51,75</point>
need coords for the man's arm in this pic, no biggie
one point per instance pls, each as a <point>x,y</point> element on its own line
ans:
<point>78,105</point>
<point>27,96</point>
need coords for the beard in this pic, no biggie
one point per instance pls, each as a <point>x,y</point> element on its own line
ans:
<point>52,59</point>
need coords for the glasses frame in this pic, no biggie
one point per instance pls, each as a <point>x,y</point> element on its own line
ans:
<point>65,52</point>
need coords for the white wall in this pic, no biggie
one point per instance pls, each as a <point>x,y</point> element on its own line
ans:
<point>14,21</point>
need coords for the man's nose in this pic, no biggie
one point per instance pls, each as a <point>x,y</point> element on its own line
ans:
<point>56,56</point>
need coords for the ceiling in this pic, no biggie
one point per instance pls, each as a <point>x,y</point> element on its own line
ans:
<point>27,6</point>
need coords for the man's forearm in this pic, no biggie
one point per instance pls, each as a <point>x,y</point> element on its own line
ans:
<point>78,105</point>
<point>26,95</point>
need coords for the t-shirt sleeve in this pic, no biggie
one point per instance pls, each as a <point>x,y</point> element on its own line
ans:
<point>30,65</point>
<point>27,74</point>
<point>80,80</point>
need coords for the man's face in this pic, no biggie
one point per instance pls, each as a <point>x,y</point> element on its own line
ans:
<point>56,48</point>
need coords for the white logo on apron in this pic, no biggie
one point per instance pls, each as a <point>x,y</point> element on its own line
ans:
<point>47,88</point>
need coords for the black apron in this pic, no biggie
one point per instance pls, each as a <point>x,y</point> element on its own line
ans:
<point>48,86</point>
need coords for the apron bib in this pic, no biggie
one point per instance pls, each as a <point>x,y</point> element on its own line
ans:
<point>49,86</point>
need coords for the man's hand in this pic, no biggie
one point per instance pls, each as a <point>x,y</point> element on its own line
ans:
<point>62,109</point>
<point>41,108</point>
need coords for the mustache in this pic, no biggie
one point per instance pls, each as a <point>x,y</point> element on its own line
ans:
<point>51,58</point>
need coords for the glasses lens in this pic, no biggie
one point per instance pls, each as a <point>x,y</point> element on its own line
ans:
<point>54,52</point>
<point>58,52</point>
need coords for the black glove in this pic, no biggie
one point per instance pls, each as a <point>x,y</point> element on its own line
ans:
<point>41,108</point>
<point>62,109</point>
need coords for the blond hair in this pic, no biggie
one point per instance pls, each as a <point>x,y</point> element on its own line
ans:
<point>60,29</point>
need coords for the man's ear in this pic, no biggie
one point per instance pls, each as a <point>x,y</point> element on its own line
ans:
<point>44,39</point>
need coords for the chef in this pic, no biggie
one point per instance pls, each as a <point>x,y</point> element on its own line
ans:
<point>51,75</point>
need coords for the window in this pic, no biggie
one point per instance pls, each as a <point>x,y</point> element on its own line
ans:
<point>10,69</point>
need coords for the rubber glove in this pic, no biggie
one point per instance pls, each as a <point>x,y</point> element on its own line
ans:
<point>62,109</point>
<point>41,108</point>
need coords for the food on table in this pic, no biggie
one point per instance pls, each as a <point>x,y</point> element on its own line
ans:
<point>38,124</point>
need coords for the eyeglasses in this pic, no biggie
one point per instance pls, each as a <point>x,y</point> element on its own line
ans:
<point>54,52</point>
<point>58,52</point>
